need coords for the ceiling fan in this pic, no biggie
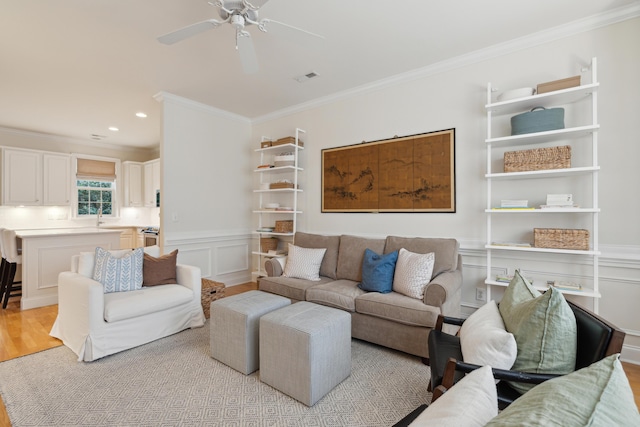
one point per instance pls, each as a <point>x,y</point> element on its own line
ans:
<point>239,14</point>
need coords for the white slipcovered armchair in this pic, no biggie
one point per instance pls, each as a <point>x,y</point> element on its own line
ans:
<point>94,324</point>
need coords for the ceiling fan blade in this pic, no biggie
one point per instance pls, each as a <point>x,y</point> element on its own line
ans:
<point>247,52</point>
<point>188,31</point>
<point>255,4</point>
<point>264,22</point>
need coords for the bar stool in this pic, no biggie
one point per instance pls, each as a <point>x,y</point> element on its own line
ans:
<point>4,262</point>
<point>10,288</point>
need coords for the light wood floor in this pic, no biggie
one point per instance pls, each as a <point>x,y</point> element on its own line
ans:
<point>27,332</point>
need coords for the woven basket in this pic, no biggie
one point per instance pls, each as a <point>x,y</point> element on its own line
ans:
<point>538,159</point>
<point>561,238</point>
<point>211,291</point>
<point>268,244</point>
<point>285,226</point>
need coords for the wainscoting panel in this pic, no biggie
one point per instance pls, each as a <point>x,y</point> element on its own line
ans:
<point>224,257</point>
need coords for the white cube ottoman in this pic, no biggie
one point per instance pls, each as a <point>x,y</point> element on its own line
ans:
<point>235,324</point>
<point>305,350</point>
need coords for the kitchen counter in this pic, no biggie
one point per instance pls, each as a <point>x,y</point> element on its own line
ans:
<point>47,252</point>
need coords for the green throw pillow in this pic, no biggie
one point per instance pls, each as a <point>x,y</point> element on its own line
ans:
<point>544,327</point>
<point>598,395</point>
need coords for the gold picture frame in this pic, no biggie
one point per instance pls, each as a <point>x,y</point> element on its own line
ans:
<point>403,174</point>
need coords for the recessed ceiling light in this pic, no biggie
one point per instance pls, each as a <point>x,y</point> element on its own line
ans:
<point>113,129</point>
<point>141,115</point>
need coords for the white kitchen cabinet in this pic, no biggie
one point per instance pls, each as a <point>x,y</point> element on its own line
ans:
<point>582,136</point>
<point>287,198</point>
<point>35,178</point>
<point>133,179</point>
<point>57,179</point>
<point>151,182</point>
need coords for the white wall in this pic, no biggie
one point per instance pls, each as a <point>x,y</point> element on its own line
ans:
<point>205,210</point>
<point>455,98</point>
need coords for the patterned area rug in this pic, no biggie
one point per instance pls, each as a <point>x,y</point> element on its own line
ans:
<point>175,382</point>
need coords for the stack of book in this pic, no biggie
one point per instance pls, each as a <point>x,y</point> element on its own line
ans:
<point>555,201</point>
<point>565,286</point>
<point>514,205</point>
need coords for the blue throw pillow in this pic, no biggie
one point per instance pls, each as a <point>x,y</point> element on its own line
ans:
<point>378,271</point>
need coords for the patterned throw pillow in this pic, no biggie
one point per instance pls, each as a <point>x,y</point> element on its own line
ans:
<point>119,274</point>
<point>304,263</point>
<point>413,273</point>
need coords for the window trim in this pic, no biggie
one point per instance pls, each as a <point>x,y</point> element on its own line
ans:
<point>118,184</point>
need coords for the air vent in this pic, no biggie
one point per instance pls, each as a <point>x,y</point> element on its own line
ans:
<point>306,77</point>
<point>97,137</point>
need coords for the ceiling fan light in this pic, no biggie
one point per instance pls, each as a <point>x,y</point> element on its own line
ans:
<point>237,21</point>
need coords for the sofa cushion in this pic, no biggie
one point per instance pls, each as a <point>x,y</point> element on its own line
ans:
<point>330,243</point>
<point>303,263</point>
<point>294,289</point>
<point>445,250</point>
<point>351,254</point>
<point>340,294</point>
<point>377,271</point>
<point>598,395</point>
<point>159,270</point>
<point>127,305</point>
<point>485,341</point>
<point>544,327</point>
<point>473,402</point>
<point>398,308</point>
<point>118,273</point>
<point>413,273</point>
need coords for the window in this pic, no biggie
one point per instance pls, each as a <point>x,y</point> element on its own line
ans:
<point>96,187</point>
<point>93,196</point>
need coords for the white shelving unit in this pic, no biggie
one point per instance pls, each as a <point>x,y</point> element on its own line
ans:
<point>583,136</point>
<point>267,217</point>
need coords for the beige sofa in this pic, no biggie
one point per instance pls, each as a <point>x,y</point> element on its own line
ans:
<point>392,319</point>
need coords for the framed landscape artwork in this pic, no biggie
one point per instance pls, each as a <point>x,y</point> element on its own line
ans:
<point>402,174</point>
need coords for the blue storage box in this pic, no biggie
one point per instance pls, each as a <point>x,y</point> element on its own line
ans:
<point>539,119</point>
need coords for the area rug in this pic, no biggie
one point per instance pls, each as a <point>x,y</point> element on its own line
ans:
<point>175,382</point>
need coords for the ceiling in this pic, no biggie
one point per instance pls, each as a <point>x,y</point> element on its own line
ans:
<point>76,67</point>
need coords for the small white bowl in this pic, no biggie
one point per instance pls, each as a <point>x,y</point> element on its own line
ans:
<point>271,205</point>
<point>516,93</point>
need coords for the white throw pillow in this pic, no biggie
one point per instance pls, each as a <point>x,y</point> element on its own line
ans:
<point>413,273</point>
<point>472,402</point>
<point>484,340</point>
<point>304,263</point>
<point>119,274</point>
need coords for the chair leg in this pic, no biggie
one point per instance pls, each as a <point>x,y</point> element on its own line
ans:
<point>3,282</point>
<point>8,286</point>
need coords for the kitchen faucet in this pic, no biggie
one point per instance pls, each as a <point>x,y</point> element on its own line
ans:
<point>98,222</point>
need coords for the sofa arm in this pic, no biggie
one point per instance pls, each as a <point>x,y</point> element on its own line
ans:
<point>275,266</point>
<point>189,276</point>
<point>445,291</point>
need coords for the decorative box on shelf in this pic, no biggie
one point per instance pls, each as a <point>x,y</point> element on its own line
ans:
<point>538,159</point>
<point>561,238</point>
<point>284,226</point>
<point>558,84</point>
<point>268,244</point>
<point>279,185</point>
<point>266,144</point>
<point>287,140</point>
<point>211,291</point>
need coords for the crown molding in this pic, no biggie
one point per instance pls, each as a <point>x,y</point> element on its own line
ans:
<point>556,33</point>
<point>78,141</point>
<point>163,97</point>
